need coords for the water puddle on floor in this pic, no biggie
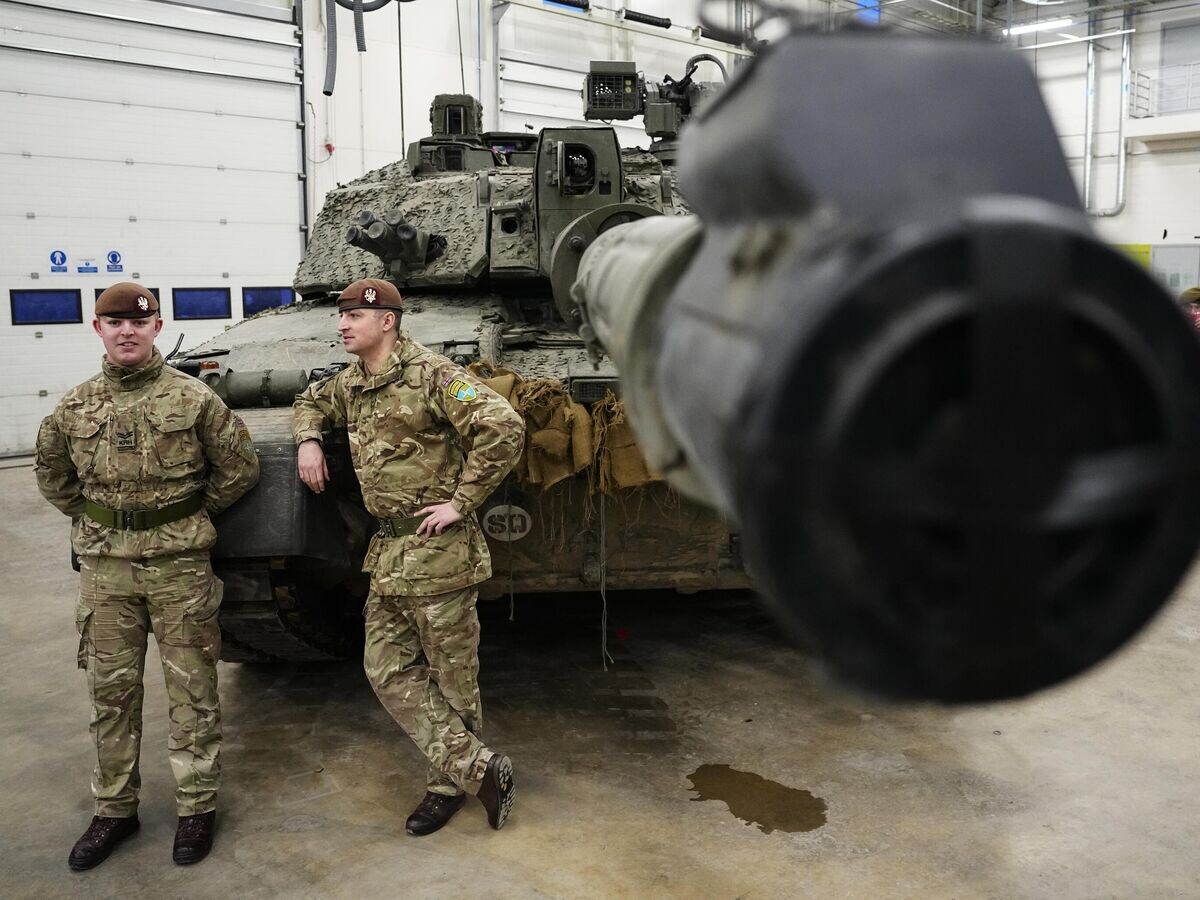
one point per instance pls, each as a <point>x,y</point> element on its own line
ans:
<point>757,801</point>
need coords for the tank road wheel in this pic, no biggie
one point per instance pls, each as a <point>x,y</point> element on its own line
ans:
<point>283,610</point>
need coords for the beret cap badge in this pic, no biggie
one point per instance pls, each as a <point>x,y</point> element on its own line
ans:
<point>370,293</point>
<point>126,300</point>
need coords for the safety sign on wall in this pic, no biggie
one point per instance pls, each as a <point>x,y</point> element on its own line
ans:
<point>58,261</point>
<point>114,261</point>
<point>87,267</point>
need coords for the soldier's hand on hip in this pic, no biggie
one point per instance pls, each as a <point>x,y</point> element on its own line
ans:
<point>439,518</point>
<point>310,463</point>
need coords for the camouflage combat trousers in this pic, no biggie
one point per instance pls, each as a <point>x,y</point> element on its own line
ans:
<point>422,659</point>
<point>120,601</point>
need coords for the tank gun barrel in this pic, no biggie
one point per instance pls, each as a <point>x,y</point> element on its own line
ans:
<point>960,435</point>
<point>386,239</point>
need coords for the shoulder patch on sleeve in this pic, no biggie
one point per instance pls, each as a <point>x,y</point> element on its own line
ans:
<point>244,443</point>
<point>461,391</point>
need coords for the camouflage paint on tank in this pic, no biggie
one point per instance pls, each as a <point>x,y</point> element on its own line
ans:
<point>443,204</point>
<point>447,204</point>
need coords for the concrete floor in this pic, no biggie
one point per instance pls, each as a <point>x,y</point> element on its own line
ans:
<point>1088,791</point>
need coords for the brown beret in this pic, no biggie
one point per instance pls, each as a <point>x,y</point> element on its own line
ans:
<point>126,300</point>
<point>1191,295</point>
<point>370,293</point>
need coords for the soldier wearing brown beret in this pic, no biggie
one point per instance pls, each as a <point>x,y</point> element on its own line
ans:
<point>429,443</point>
<point>141,457</point>
<point>127,300</point>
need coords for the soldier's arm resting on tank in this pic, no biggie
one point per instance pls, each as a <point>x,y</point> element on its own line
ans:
<point>316,410</point>
<point>232,462</point>
<point>319,408</point>
<point>311,465</point>
<point>56,476</point>
<point>494,431</point>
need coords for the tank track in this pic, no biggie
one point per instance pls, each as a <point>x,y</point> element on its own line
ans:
<point>257,630</point>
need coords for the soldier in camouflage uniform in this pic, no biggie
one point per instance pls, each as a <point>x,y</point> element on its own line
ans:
<point>140,457</point>
<point>429,442</point>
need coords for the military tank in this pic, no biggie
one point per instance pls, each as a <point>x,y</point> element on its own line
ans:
<point>958,436</point>
<point>482,232</point>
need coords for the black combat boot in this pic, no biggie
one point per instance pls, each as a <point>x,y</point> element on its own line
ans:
<point>433,812</point>
<point>498,791</point>
<point>100,839</point>
<point>194,838</point>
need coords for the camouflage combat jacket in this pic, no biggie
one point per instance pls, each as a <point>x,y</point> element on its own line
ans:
<point>421,432</point>
<point>140,439</point>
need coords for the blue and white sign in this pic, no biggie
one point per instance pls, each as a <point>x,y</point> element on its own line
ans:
<point>58,260</point>
<point>114,261</point>
<point>87,267</point>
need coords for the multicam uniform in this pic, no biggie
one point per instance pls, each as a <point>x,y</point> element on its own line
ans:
<point>422,432</point>
<point>146,439</point>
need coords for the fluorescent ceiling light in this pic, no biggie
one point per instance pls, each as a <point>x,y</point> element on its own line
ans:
<point>1076,40</point>
<point>1048,25</point>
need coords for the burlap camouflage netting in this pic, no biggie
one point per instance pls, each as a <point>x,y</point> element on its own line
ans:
<point>564,438</point>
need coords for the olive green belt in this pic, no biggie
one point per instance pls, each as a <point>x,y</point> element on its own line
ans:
<point>138,519</point>
<point>394,528</point>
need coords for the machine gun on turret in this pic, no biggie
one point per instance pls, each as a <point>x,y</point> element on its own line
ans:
<point>616,90</point>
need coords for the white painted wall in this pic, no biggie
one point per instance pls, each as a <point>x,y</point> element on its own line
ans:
<point>190,176</point>
<point>1163,186</point>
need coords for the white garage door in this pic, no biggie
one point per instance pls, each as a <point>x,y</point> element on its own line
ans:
<point>148,141</point>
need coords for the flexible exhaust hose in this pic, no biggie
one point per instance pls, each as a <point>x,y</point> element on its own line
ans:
<point>330,47</point>
<point>358,7</point>
<point>360,36</point>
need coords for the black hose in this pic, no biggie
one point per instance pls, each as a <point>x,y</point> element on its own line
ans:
<point>699,57</point>
<point>330,46</point>
<point>367,5</point>
<point>358,7</point>
<point>578,4</point>
<point>360,37</point>
<point>647,19</point>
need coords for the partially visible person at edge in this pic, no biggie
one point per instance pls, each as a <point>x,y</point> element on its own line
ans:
<point>141,457</point>
<point>1191,305</point>
<point>429,442</point>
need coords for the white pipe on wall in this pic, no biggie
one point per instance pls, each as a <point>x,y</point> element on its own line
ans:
<point>1122,149</point>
